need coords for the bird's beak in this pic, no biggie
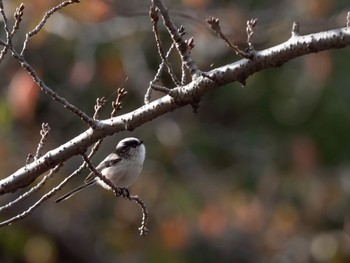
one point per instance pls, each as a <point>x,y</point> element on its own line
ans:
<point>141,142</point>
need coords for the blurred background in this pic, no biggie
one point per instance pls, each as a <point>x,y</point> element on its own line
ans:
<point>260,174</point>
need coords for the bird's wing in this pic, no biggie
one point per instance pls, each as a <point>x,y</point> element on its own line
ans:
<point>110,160</point>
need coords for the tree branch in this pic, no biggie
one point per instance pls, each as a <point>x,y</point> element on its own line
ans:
<point>24,64</point>
<point>238,71</point>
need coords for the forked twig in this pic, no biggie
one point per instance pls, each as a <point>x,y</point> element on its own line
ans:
<point>161,67</point>
<point>100,102</point>
<point>9,34</point>
<point>117,103</point>
<point>214,24</point>
<point>153,13</point>
<point>181,45</point>
<point>43,22</point>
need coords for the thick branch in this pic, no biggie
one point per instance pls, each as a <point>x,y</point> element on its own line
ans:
<point>238,71</point>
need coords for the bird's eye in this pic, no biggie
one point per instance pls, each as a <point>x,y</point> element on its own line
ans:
<point>124,148</point>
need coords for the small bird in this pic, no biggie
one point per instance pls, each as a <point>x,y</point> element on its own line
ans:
<point>121,167</point>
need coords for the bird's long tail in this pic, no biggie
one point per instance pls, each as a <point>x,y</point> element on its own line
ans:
<point>74,191</point>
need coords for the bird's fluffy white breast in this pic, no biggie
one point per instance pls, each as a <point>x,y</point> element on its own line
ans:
<point>126,171</point>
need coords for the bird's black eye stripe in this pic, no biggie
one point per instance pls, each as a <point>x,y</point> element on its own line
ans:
<point>133,144</point>
<point>125,146</point>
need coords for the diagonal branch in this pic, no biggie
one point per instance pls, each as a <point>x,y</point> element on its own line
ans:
<point>83,116</point>
<point>25,65</point>
<point>238,71</point>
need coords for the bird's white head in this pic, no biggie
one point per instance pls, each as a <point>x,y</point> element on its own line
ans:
<point>132,148</point>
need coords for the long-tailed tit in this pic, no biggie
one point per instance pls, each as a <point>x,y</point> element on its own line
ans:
<point>121,167</point>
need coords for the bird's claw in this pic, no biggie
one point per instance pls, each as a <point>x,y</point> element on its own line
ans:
<point>124,192</point>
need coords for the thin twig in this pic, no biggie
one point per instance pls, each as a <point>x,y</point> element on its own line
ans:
<point>52,192</point>
<point>183,73</point>
<point>18,18</point>
<point>190,44</point>
<point>84,117</point>
<point>181,45</point>
<point>18,15</point>
<point>153,13</point>
<point>32,190</point>
<point>145,215</point>
<point>161,67</point>
<point>250,31</point>
<point>117,104</point>
<point>4,17</point>
<point>214,24</point>
<point>161,89</point>
<point>29,159</point>
<point>43,22</point>
<point>45,129</point>
<point>348,19</point>
<point>42,199</point>
<point>100,102</point>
